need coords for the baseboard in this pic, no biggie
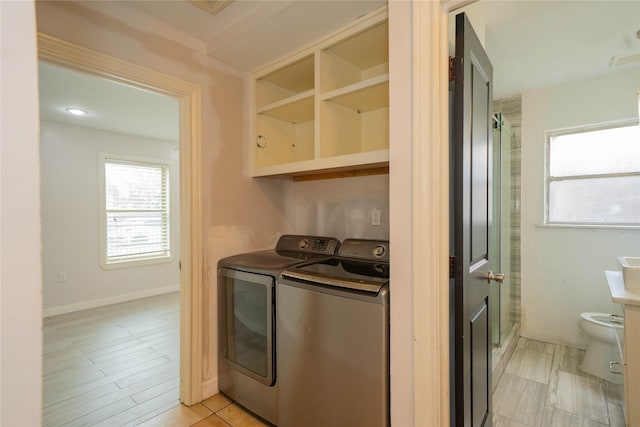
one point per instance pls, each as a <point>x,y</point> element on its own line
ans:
<point>209,388</point>
<point>54,311</point>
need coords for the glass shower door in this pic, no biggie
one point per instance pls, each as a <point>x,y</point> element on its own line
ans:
<point>502,297</point>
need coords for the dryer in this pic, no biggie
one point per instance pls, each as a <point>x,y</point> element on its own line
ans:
<point>247,319</point>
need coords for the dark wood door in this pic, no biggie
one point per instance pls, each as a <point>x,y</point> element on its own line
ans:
<point>471,221</point>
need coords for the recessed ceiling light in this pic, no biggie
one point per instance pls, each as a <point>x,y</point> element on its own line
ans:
<point>76,111</point>
<point>629,58</point>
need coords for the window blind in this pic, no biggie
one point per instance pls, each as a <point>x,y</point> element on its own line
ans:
<point>136,211</point>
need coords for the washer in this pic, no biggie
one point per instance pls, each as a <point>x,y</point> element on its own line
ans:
<point>246,319</point>
<point>333,339</point>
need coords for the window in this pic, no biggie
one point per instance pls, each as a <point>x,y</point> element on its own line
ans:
<point>135,212</point>
<point>593,176</point>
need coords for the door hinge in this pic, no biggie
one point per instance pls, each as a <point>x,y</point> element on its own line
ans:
<point>452,266</point>
<point>455,65</point>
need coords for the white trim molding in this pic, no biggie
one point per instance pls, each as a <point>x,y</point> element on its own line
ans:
<point>209,388</point>
<point>189,95</point>
<point>430,214</point>
<point>63,309</point>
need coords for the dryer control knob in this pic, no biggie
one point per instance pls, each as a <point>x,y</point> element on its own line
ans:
<point>379,251</point>
<point>303,244</point>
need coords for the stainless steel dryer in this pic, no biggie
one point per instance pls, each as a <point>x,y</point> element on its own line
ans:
<point>246,319</point>
<point>333,339</point>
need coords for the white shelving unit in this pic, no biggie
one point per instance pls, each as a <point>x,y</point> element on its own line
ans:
<point>295,109</point>
<point>326,108</point>
<point>371,94</point>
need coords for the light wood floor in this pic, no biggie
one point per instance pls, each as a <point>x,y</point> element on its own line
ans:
<point>119,366</point>
<point>116,365</point>
<point>543,386</point>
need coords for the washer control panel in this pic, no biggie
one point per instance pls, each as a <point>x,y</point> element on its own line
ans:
<point>308,244</point>
<point>365,249</point>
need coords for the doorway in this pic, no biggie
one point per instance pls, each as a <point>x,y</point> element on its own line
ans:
<point>58,52</point>
<point>110,193</point>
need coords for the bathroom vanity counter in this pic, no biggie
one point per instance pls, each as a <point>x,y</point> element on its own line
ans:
<point>631,358</point>
<point>619,294</point>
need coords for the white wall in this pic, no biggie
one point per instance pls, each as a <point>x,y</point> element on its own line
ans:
<point>20,271</point>
<point>340,208</point>
<point>563,268</point>
<point>70,220</point>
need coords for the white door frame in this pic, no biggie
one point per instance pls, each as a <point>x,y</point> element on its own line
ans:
<point>430,210</point>
<point>189,95</point>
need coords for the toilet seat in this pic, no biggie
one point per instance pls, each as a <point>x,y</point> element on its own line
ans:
<point>601,319</point>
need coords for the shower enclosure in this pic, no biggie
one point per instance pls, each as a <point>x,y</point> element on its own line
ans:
<point>503,296</point>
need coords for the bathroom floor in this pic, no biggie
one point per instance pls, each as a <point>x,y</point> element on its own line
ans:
<point>543,386</point>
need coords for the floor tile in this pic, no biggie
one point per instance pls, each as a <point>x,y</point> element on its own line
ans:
<point>519,399</point>
<point>571,398</point>
<point>616,415</point>
<point>238,417</point>
<point>179,416</point>
<point>101,414</point>
<point>501,421</point>
<point>74,408</point>
<point>581,396</point>
<point>216,402</point>
<point>535,345</point>
<point>614,393</point>
<point>212,421</point>
<point>554,417</point>
<point>530,364</point>
<point>142,412</point>
<point>156,390</point>
<point>568,359</point>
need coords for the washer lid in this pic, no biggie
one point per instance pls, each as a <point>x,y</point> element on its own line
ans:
<point>343,273</point>
<point>269,260</point>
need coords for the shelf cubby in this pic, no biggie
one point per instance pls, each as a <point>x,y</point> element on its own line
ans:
<point>295,109</point>
<point>286,82</point>
<point>355,59</point>
<point>347,131</point>
<point>364,96</point>
<point>279,141</point>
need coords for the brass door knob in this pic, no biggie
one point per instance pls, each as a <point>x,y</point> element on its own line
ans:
<point>495,277</point>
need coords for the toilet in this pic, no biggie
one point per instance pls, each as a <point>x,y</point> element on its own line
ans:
<point>602,347</point>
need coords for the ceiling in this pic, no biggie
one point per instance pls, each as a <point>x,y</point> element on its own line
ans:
<point>112,107</point>
<point>531,44</point>
<point>535,44</point>
<point>245,34</point>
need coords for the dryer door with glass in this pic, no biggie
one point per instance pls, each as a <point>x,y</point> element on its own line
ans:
<point>246,329</point>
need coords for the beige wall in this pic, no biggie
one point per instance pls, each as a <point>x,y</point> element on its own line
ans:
<point>239,214</point>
